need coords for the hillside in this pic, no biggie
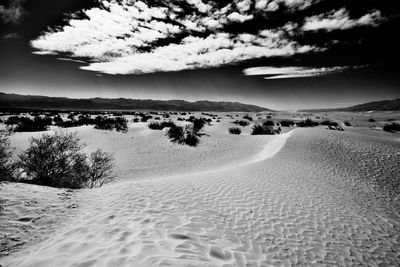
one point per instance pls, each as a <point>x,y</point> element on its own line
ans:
<point>21,102</point>
<point>385,105</point>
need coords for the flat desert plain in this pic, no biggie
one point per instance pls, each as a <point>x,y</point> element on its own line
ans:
<point>306,197</point>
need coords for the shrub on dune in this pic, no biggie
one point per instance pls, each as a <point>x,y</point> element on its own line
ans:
<point>247,117</point>
<point>329,123</point>
<point>268,123</point>
<point>234,130</point>
<point>175,133</point>
<point>183,135</point>
<point>394,127</point>
<point>160,125</point>
<point>262,129</point>
<point>347,123</point>
<point>7,167</point>
<point>117,123</point>
<point>287,123</point>
<point>26,124</point>
<point>57,160</point>
<point>307,123</point>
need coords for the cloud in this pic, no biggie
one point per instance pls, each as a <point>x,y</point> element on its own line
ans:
<point>237,17</point>
<point>194,52</point>
<point>132,37</point>
<point>294,72</point>
<point>12,13</point>
<point>10,36</point>
<point>340,20</point>
<point>124,38</point>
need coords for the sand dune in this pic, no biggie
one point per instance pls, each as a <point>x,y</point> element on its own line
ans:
<point>299,201</point>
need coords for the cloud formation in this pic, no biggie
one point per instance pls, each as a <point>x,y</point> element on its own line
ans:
<point>132,37</point>
<point>340,20</point>
<point>293,72</point>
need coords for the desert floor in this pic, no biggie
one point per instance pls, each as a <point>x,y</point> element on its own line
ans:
<point>310,196</point>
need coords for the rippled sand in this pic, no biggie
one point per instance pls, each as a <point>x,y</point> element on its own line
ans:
<point>316,197</point>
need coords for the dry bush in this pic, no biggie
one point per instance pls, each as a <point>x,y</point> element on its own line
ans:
<point>57,160</point>
<point>234,130</point>
<point>7,166</point>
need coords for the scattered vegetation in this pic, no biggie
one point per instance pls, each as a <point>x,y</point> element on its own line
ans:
<point>268,123</point>
<point>259,129</point>
<point>307,123</point>
<point>242,123</point>
<point>287,123</point>
<point>371,120</point>
<point>57,160</point>
<point>160,125</point>
<point>234,130</point>
<point>106,123</point>
<point>347,123</point>
<point>247,117</point>
<point>26,124</point>
<point>329,123</point>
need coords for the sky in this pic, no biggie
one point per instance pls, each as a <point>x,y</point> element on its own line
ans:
<point>279,54</point>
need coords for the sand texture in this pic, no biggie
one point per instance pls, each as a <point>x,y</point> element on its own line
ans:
<point>310,197</point>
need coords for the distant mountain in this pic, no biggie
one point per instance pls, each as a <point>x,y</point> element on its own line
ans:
<point>28,102</point>
<point>385,105</point>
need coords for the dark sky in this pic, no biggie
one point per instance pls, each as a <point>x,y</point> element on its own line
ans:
<point>318,54</point>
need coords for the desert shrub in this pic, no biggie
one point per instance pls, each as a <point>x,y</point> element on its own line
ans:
<point>180,119</point>
<point>100,169</point>
<point>190,139</point>
<point>57,160</point>
<point>287,123</point>
<point>371,120</point>
<point>247,117</point>
<point>307,123</point>
<point>347,123</point>
<point>394,127</point>
<point>7,167</point>
<point>155,125</point>
<point>160,125</point>
<point>135,120</point>
<point>26,124</point>
<point>234,130</point>
<point>261,130</point>
<point>145,117</point>
<point>105,123</point>
<point>391,119</point>
<point>198,124</point>
<point>268,123</point>
<point>182,135</point>
<point>166,115</point>
<point>175,133</point>
<point>329,123</point>
<point>12,120</point>
<point>242,123</point>
<point>57,120</point>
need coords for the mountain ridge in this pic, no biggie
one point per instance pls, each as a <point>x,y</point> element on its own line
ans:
<point>20,102</point>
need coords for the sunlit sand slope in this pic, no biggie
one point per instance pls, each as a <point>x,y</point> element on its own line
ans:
<point>316,201</point>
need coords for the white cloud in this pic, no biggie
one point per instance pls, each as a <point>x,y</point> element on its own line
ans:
<point>340,20</point>
<point>293,72</point>
<point>237,17</point>
<point>195,52</point>
<point>124,37</point>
